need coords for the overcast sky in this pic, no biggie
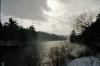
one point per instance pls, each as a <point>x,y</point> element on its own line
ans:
<point>53,16</point>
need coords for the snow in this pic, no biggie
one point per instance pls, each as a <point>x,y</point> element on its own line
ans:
<point>84,61</point>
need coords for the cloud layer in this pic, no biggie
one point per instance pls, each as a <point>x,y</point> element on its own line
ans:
<point>24,8</point>
<point>53,16</point>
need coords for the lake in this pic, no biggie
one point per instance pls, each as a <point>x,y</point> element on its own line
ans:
<point>38,54</point>
<point>23,56</point>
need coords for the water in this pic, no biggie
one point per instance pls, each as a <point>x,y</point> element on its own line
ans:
<point>38,53</point>
<point>59,52</point>
<point>22,56</point>
<point>49,44</point>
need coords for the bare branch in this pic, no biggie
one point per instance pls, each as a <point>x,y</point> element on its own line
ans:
<point>83,21</point>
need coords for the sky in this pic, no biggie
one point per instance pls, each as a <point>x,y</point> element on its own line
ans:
<point>52,16</point>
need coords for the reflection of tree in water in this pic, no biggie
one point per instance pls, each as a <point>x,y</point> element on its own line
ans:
<point>31,60</point>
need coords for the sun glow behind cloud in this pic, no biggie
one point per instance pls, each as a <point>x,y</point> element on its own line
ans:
<point>59,15</point>
<point>63,11</point>
<point>56,16</point>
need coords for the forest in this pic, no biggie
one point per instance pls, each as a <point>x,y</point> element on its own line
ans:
<point>13,34</point>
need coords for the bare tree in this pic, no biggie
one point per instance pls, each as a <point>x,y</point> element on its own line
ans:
<point>83,21</point>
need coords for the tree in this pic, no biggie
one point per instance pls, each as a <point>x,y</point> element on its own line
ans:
<point>31,34</point>
<point>73,36</point>
<point>12,29</point>
<point>83,21</point>
<point>31,28</point>
<point>1,31</point>
<point>92,34</point>
<point>81,26</point>
<point>0,25</point>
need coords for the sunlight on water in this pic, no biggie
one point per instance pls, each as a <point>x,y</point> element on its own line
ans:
<point>48,44</point>
<point>53,50</point>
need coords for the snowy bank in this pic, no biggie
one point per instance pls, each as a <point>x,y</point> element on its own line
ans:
<point>84,61</point>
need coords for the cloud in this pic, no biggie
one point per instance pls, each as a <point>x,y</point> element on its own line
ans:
<point>53,16</point>
<point>31,9</point>
<point>63,11</point>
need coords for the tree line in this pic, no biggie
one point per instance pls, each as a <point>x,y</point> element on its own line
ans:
<point>11,31</point>
<point>89,30</point>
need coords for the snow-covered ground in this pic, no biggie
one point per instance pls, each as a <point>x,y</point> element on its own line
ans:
<point>84,61</point>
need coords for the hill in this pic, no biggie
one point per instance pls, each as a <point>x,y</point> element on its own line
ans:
<point>43,36</point>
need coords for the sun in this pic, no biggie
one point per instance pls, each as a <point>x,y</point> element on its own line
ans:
<point>55,6</point>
